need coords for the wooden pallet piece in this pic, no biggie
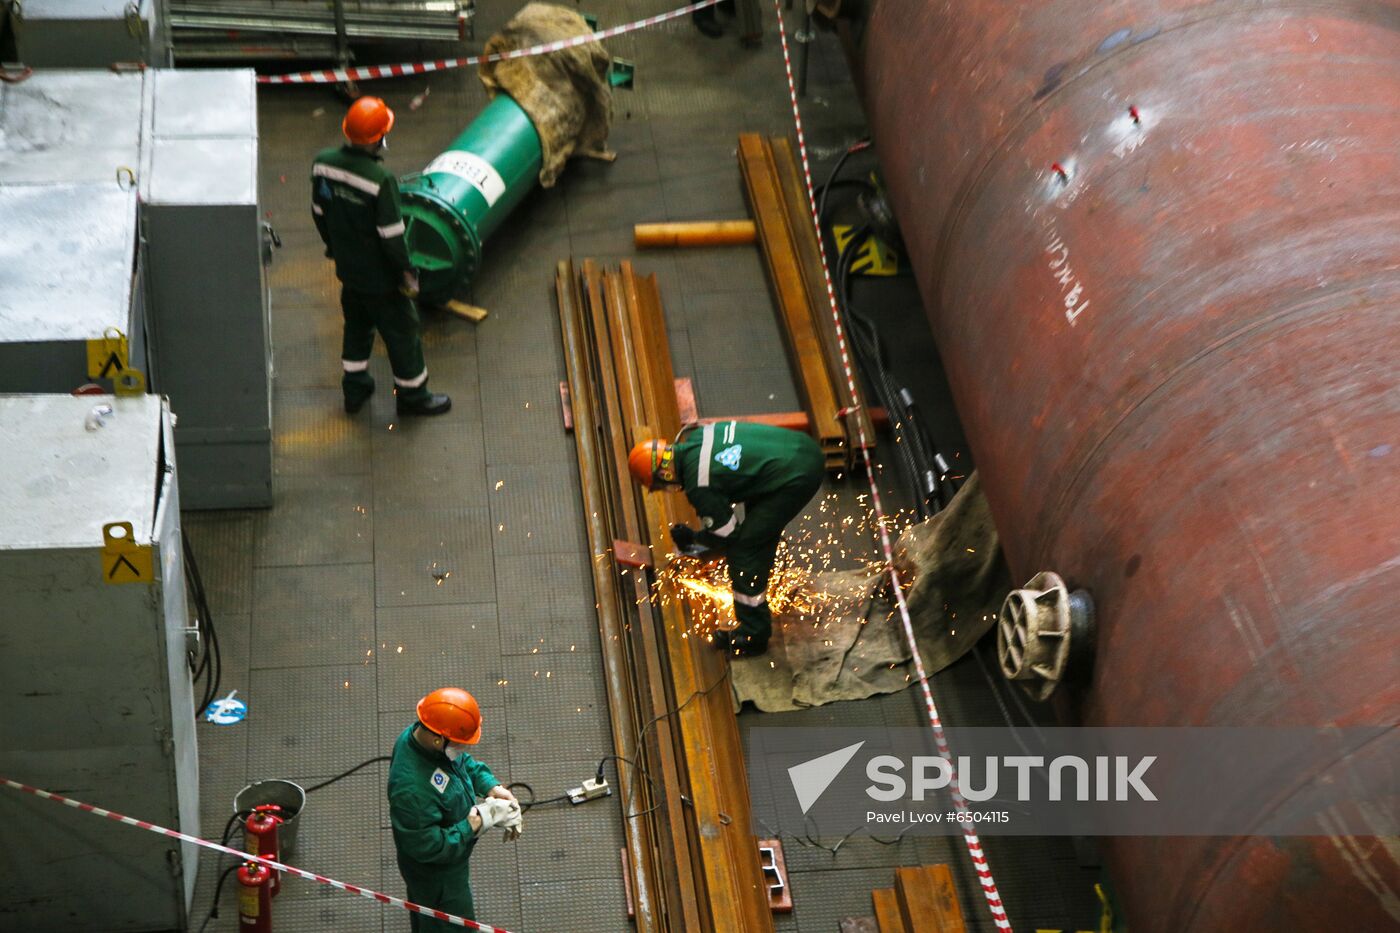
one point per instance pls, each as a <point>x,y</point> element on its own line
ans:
<point>928,900</point>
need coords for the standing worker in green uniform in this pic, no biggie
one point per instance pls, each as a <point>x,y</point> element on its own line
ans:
<point>355,203</point>
<point>774,472</point>
<point>441,800</point>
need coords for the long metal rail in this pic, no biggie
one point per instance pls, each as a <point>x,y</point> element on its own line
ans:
<point>692,859</point>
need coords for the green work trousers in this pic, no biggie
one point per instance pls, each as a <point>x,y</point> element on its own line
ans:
<point>448,891</point>
<point>395,317</point>
<point>754,548</point>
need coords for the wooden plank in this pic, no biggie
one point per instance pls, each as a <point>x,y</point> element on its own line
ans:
<point>799,211</point>
<point>928,900</point>
<point>796,316</point>
<point>887,916</point>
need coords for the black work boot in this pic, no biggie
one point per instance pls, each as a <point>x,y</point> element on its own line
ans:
<point>707,23</point>
<point>357,392</point>
<point>430,404</point>
<point>737,643</point>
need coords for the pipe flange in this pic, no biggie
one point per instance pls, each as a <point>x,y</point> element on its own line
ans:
<point>1041,630</point>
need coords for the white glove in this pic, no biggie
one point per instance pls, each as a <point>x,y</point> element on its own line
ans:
<point>514,822</point>
<point>492,811</point>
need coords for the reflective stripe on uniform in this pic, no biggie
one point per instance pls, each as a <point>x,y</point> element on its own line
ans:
<point>354,366</point>
<point>322,170</point>
<point>413,383</point>
<point>707,446</point>
<point>728,527</point>
<point>391,231</point>
<point>316,209</point>
<point>743,600</point>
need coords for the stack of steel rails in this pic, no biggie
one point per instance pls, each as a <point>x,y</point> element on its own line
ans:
<point>692,860</point>
<point>783,218</point>
<point>211,30</point>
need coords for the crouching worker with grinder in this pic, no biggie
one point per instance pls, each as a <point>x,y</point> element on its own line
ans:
<point>441,800</point>
<point>774,472</point>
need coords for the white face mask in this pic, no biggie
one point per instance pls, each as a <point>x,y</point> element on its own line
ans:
<point>453,751</point>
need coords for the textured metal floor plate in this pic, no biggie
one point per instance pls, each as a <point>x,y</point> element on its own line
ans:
<point>312,435</point>
<point>546,603</point>
<point>753,390</point>
<point>311,720</point>
<point>557,707</point>
<point>592,905</point>
<point>328,610</point>
<point>431,463</point>
<point>524,422</point>
<point>421,648</point>
<point>316,520</point>
<point>433,556</point>
<point>536,509</point>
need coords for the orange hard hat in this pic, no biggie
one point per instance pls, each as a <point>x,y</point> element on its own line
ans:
<point>649,459</point>
<point>367,121</point>
<point>451,713</point>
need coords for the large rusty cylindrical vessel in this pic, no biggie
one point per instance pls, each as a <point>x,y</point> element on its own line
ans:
<point>1159,244</point>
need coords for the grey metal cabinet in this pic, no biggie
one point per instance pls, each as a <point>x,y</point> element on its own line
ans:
<point>95,694</point>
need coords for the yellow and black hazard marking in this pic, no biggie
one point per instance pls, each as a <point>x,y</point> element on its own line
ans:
<point>123,560</point>
<point>109,357</point>
<point>873,255</point>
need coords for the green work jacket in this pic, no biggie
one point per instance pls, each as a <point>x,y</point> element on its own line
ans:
<point>721,464</point>
<point>355,203</point>
<point>429,799</point>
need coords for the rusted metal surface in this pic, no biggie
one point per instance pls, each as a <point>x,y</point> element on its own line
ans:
<point>694,233</point>
<point>646,868</point>
<point>1159,246</point>
<point>855,418</point>
<point>796,314</point>
<point>714,751</point>
<point>692,861</point>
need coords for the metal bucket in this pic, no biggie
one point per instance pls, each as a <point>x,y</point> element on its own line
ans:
<point>287,795</point>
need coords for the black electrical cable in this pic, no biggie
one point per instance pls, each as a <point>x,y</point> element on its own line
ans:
<point>346,773</point>
<point>212,663</point>
<point>218,889</point>
<point>835,171</point>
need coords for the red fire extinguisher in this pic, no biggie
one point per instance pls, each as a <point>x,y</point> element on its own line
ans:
<point>254,898</point>
<point>260,837</point>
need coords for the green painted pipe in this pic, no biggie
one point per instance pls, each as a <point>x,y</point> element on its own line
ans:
<point>459,200</point>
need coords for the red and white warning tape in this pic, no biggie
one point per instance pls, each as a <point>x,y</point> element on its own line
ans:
<point>974,845</point>
<point>370,72</point>
<point>278,866</point>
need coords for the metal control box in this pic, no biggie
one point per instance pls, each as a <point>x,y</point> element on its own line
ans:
<point>189,261</point>
<point>210,323</point>
<point>68,264</point>
<point>95,694</point>
<point>87,33</point>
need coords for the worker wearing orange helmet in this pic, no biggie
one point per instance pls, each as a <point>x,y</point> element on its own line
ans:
<point>774,472</point>
<point>441,800</point>
<point>355,203</point>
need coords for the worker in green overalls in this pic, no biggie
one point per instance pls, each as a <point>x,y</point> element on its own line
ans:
<point>355,203</point>
<point>774,472</point>
<point>441,800</point>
